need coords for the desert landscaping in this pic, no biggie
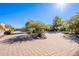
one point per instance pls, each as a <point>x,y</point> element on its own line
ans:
<point>39,29</point>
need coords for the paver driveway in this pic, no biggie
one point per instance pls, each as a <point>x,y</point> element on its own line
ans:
<point>55,44</point>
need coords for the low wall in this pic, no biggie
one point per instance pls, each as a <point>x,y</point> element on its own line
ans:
<point>1,33</point>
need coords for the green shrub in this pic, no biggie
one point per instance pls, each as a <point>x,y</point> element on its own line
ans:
<point>66,32</point>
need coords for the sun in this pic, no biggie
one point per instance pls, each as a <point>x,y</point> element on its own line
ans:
<point>61,6</point>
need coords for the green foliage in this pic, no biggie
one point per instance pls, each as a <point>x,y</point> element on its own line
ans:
<point>36,28</point>
<point>30,24</point>
<point>1,26</point>
<point>36,25</point>
<point>74,23</point>
<point>10,27</point>
<point>57,23</point>
<point>64,26</point>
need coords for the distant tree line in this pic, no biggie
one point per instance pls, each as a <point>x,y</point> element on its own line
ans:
<point>71,25</point>
<point>58,24</point>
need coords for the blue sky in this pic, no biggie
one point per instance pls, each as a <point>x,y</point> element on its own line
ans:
<point>18,14</point>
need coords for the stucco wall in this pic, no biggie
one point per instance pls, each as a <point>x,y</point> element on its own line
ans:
<point>1,32</point>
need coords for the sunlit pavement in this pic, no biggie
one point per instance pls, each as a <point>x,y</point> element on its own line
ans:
<point>55,44</point>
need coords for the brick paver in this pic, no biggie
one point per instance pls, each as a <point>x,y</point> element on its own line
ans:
<point>55,44</point>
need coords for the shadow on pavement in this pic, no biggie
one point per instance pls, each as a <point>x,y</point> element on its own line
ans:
<point>16,33</point>
<point>20,39</point>
<point>73,37</point>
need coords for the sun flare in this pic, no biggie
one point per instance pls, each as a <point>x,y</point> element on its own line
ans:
<point>61,6</point>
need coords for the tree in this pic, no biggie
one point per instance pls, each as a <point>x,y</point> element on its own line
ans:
<point>30,24</point>
<point>74,23</point>
<point>65,26</point>
<point>36,27</point>
<point>57,23</point>
<point>1,26</point>
<point>9,27</point>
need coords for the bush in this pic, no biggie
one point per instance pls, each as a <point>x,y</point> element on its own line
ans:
<point>36,28</point>
<point>66,32</point>
<point>29,32</point>
<point>38,35</point>
<point>7,33</point>
<point>77,31</point>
